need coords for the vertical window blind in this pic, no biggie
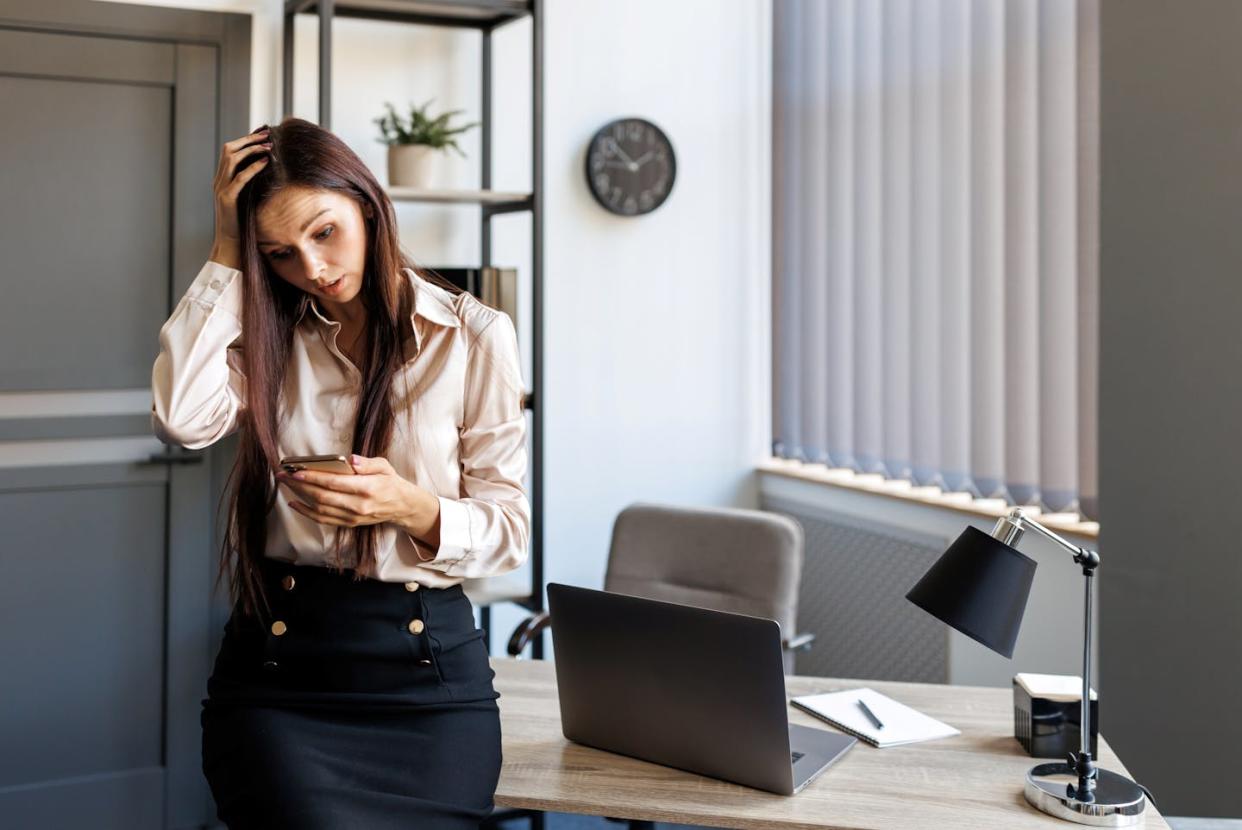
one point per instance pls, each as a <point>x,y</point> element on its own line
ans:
<point>935,243</point>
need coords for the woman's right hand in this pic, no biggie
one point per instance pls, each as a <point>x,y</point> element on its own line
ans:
<point>227,185</point>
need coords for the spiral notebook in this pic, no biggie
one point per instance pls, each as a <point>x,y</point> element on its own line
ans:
<point>902,725</point>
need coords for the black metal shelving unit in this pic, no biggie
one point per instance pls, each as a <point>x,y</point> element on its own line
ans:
<point>485,16</point>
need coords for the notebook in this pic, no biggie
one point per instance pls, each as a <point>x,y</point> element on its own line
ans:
<point>902,725</point>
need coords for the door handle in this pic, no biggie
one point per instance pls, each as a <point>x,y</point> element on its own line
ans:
<point>170,458</point>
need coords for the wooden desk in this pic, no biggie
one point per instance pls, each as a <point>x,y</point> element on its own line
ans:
<point>969,782</point>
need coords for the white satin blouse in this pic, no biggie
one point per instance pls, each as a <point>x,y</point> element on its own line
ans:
<point>459,432</point>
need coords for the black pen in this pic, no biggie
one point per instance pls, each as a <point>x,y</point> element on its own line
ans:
<point>870,715</point>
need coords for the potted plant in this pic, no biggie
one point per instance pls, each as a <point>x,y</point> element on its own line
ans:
<point>413,142</point>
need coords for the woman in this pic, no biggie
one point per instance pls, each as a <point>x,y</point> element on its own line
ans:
<point>352,688</point>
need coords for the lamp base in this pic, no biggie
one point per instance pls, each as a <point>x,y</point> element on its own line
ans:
<point>1117,802</point>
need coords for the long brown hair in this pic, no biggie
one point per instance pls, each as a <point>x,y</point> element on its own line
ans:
<point>304,154</point>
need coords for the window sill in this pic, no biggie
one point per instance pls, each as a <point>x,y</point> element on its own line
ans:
<point>905,492</point>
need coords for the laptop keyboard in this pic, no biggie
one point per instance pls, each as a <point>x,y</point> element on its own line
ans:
<point>794,756</point>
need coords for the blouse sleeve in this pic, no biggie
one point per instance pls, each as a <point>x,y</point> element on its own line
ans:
<point>197,384</point>
<point>486,532</point>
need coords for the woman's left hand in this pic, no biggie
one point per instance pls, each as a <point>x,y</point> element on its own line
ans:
<point>376,494</point>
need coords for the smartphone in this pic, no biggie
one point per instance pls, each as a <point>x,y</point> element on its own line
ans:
<point>338,464</point>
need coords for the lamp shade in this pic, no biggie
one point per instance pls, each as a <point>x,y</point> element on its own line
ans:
<point>979,586</point>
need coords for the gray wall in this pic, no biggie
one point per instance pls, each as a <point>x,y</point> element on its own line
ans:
<point>1171,397</point>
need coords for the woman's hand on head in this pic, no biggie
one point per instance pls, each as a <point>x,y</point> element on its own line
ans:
<point>227,185</point>
<point>375,494</point>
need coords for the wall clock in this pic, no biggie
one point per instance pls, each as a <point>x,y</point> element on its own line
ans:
<point>630,166</point>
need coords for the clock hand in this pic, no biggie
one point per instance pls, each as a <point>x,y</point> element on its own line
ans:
<point>620,152</point>
<point>643,158</point>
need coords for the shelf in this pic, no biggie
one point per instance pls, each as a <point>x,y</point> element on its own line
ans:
<point>482,14</point>
<point>493,589</point>
<point>486,17</point>
<point>496,201</point>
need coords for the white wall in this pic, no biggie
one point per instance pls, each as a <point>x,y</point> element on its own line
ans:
<point>656,328</point>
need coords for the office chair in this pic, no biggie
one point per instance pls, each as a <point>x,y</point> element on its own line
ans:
<point>722,558</point>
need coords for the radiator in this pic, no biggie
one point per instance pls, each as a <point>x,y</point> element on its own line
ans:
<point>852,598</point>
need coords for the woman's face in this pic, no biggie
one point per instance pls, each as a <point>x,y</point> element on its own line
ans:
<point>316,241</point>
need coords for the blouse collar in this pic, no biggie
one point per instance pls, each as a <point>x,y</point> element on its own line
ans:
<point>431,302</point>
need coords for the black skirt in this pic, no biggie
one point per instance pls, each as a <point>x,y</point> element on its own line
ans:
<point>352,704</point>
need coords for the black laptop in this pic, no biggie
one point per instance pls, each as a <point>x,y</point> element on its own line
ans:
<point>686,687</point>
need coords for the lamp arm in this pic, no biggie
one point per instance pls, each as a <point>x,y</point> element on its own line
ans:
<point>1009,530</point>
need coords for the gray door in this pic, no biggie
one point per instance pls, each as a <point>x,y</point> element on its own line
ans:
<point>108,143</point>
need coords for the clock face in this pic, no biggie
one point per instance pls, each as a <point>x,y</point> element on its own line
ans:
<point>630,166</point>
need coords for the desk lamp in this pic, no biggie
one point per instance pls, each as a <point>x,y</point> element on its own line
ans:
<point>980,587</point>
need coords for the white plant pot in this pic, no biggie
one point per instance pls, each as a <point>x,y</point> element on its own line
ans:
<point>412,165</point>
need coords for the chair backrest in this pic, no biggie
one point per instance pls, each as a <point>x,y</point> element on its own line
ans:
<point>725,559</point>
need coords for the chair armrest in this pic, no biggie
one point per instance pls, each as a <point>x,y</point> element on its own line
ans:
<point>798,642</point>
<point>527,630</point>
